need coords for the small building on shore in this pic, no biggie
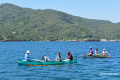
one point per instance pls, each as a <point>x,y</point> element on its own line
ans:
<point>103,40</point>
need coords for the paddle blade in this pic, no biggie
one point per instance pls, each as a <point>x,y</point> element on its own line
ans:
<point>16,62</point>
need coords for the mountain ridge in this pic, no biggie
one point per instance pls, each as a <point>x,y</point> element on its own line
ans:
<point>48,24</point>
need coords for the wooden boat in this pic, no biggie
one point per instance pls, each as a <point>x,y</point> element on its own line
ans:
<point>102,56</point>
<point>87,40</point>
<point>96,56</point>
<point>11,40</point>
<point>41,62</point>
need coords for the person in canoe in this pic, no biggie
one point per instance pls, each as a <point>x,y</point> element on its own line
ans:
<point>46,58</point>
<point>90,52</point>
<point>69,56</point>
<point>59,57</point>
<point>96,51</point>
<point>27,58</point>
<point>104,52</point>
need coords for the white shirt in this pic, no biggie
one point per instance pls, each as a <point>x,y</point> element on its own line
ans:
<point>95,52</point>
<point>46,58</point>
<point>104,52</point>
<point>59,58</point>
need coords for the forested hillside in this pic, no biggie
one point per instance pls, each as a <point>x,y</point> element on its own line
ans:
<point>18,23</point>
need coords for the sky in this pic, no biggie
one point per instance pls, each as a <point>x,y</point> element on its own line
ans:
<point>108,10</point>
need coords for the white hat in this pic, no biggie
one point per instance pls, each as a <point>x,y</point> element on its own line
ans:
<point>90,47</point>
<point>27,51</point>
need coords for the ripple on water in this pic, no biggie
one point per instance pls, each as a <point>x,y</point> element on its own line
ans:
<point>89,68</point>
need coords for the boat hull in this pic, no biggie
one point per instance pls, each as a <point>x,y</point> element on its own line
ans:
<point>96,56</point>
<point>21,62</point>
<point>101,56</point>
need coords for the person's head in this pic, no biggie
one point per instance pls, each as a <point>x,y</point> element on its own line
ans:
<point>27,52</point>
<point>42,57</point>
<point>103,49</point>
<point>59,54</point>
<point>90,47</point>
<point>96,49</point>
<point>69,52</point>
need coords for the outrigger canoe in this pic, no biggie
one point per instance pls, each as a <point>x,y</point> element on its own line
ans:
<point>41,62</point>
<point>96,56</point>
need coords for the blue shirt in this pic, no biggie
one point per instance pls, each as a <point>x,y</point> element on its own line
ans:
<point>26,57</point>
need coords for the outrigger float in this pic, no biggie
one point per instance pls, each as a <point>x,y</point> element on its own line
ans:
<point>41,62</point>
<point>96,56</point>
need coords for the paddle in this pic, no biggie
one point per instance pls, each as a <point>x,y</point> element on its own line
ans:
<point>69,64</point>
<point>83,55</point>
<point>67,60</point>
<point>78,56</point>
<point>16,62</point>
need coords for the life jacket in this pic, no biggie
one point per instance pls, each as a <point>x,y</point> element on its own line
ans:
<point>71,58</point>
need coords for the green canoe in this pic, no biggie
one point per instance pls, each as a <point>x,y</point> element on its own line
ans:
<point>41,62</point>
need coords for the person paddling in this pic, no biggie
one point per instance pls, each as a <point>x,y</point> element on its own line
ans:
<point>59,57</point>
<point>27,58</point>
<point>90,52</point>
<point>46,58</point>
<point>69,56</point>
<point>104,52</point>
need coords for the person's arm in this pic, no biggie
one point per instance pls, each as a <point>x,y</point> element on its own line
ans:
<point>106,52</point>
<point>91,50</point>
<point>28,56</point>
<point>68,57</point>
<point>95,52</point>
<point>60,58</point>
<point>25,57</point>
<point>44,58</point>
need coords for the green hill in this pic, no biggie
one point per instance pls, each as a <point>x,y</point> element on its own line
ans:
<point>29,24</point>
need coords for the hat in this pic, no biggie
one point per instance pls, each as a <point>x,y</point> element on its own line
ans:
<point>90,47</point>
<point>103,49</point>
<point>28,51</point>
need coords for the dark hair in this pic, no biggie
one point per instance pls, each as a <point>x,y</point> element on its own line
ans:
<point>97,49</point>
<point>69,54</point>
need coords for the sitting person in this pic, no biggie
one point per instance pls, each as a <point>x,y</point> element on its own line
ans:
<point>59,57</point>
<point>27,58</point>
<point>104,52</point>
<point>46,58</point>
<point>96,51</point>
<point>90,52</point>
<point>69,56</point>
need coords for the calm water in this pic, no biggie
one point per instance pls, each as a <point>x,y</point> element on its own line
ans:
<point>89,68</point>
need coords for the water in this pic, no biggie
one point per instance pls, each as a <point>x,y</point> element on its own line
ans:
<point>89,68</point>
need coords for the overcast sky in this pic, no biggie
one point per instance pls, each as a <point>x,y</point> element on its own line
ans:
<point>92,9</point>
